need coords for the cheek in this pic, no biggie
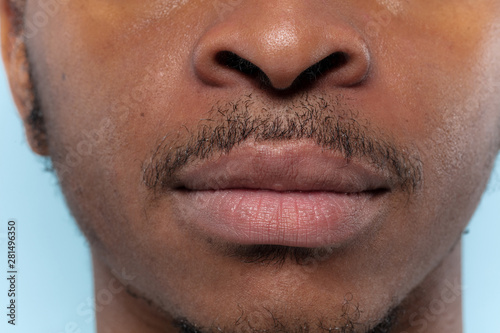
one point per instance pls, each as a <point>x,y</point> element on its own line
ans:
<point>448,109</point>
<point>103,59</point>
<point>450,84</point>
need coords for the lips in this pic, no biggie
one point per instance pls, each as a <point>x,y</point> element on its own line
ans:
<point>293,194</point>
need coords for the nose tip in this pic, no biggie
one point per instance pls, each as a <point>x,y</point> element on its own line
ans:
<point>281,54</point>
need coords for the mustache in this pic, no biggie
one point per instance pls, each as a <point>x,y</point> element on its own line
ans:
<point>330,123</point>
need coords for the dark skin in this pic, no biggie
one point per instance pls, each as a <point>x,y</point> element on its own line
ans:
<point>120,84</point>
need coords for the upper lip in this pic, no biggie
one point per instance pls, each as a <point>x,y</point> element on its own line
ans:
<point>293,166</point>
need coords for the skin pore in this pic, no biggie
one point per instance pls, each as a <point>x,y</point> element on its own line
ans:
<point>131,98</point>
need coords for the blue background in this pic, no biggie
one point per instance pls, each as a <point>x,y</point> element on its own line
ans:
<point>55,292</point>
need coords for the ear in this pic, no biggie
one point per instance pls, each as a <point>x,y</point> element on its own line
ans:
<point>17,68</point>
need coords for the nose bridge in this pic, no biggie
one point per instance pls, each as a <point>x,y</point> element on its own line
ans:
<point>281,29</point>
<point>283,39</point>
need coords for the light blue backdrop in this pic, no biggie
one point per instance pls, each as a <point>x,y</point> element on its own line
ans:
<point>55,278</point>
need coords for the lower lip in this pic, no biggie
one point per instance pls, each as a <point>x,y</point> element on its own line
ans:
<point>300,219</point>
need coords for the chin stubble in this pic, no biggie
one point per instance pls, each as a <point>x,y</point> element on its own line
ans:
<point>349,320</point>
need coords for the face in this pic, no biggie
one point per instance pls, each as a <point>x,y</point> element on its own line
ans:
<point>312,161</point>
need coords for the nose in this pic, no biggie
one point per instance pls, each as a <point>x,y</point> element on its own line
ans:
<point>281,44</point>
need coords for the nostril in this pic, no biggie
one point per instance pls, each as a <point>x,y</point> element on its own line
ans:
<point>346,69</point>
<point>233,61</point>
<point>333,61</point>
